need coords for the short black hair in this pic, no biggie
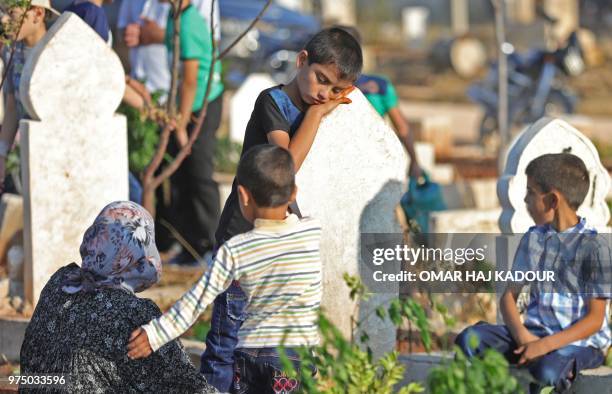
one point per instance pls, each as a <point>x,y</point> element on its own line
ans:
<point>268,172</point>
<point>336,46</point>
<point>352,30</point>
<point>563,172</point>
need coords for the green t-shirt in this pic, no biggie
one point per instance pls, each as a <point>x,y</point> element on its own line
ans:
<point>196,44</point>
<point>379,91</point>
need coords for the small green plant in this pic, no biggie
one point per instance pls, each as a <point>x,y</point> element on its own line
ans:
<point>200,329</point>
<point>478,375</point>
<point>13,161</point>
<point>344,366</point>
<point>227,155</point>
<point>10,27</point>
<point>143,137</point>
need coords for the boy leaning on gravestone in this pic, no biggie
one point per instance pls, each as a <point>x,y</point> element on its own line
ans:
<point>278,264</point>
<point>287,116</point>
<point>565,329</point>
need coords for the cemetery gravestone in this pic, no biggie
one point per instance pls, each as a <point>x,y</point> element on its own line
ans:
<point>243,102</point>
<point>352,180</point>
<point>549,136</point>
<point>74,151</point>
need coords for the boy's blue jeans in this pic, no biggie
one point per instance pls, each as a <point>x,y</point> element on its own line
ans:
<point>556,369</point>
<point>227,317</point>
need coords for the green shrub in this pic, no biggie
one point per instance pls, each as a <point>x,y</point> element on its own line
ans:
<point>143,137</point>
<point>479,375</point>
<point>344,366</point>
<point>227,155</point>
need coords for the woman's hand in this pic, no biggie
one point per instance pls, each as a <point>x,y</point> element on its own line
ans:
<point>139,346</point>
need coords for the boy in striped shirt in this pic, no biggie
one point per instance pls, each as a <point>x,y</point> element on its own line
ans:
<point>279,268</point>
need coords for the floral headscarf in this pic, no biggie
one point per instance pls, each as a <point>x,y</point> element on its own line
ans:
<point>118,251</point>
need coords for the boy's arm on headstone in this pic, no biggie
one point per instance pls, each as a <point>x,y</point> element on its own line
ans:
<point>192,304</point>
<point>301,142</point>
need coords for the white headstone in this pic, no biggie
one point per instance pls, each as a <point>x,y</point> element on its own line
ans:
<point>352,180</point>
<point>243,101</point>
<point>74,155</point>
<point>549,136</point>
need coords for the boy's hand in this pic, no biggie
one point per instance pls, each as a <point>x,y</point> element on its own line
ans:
<point>151,32</point>
<point>414,170</point>
<point>139,346</point>
<point>182,138</point>
<point>329,106</point>
<point>531,351</point>
<point>131,35</point>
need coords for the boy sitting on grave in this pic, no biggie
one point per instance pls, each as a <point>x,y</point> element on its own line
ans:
<point>279,267</point>
<point>565,329</point>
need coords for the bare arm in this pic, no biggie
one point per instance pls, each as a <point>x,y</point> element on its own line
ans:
<point>302,140</point>
<point>151,33</point>
<point>512,317</point>
<point>132,98</point>
<point>300,144</point>
<point>189,85</point>
<point>403,132</point>
<point>582,329</point>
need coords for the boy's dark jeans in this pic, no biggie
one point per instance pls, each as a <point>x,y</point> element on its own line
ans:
<point>557,368</point>
<point>227,317</point>
<point>259,371</point>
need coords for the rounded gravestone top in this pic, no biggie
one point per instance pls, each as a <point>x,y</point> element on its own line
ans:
<point>543,137</point>
<point>71,74</point>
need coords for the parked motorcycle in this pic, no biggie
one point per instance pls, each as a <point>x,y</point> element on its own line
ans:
<point>535,86</point>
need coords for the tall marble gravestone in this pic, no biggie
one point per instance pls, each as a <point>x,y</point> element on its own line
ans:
<point>549,136</point>
<point>352,180</point>
<point>74,150</point>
